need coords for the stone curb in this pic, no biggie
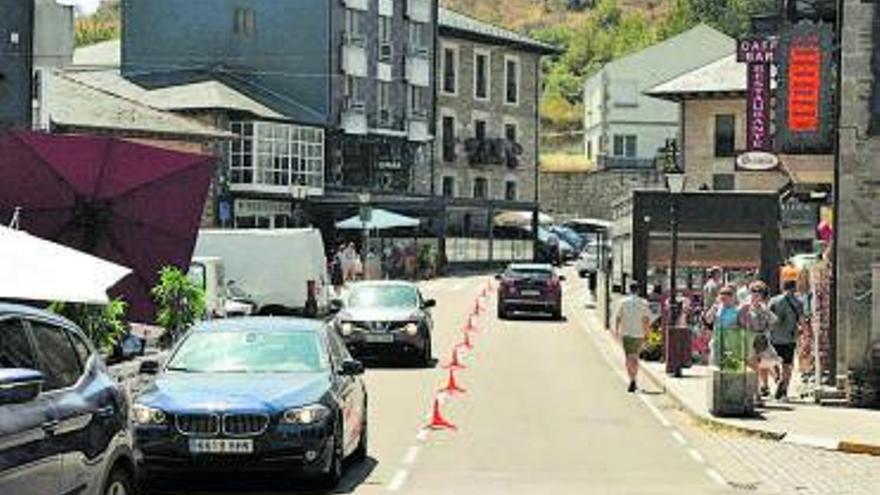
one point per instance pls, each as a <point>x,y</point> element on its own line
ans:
<point>705,419</point>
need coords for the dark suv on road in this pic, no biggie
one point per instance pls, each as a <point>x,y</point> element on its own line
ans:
<point>530,287</point>
<point>63,419</point>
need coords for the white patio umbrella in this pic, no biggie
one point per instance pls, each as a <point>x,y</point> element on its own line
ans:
<point>520,219</point>
<point>379,220</point>
<point>32,268</point>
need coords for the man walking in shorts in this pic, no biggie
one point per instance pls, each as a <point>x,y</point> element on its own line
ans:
<point>633,323</point>
<point>789,311</point>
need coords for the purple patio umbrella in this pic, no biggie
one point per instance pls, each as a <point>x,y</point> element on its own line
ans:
<point>129,203</point>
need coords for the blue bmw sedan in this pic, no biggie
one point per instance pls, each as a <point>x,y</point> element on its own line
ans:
<point>253,394</point>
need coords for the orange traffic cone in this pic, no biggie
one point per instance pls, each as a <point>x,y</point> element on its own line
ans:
<point>452,387</point>
<point>438,422</point>
<point>455,363</point>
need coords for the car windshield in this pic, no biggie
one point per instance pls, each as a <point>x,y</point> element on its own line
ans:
<point>383,297</point>
<point>249,352</point>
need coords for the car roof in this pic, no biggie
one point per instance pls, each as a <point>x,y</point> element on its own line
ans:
<point>7,309</point>
<point>261,324</point>
<point>530,267</point>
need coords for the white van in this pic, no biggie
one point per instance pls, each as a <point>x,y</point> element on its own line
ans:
<point>282,271</point>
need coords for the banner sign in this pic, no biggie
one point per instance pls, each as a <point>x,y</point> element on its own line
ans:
<point>805,113</point>
<point>758,53</point>
<point>758,108</point>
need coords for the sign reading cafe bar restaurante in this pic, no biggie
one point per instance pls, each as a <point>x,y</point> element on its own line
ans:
<point>758,53</point>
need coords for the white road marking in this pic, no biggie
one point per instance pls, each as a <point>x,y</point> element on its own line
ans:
<point>411,454</point>
<point>656,412</point>
<point>697,456</point>
<point>679,437</point>
<point>422,435</point>
<point>716,476</point>
<point>398,480</point>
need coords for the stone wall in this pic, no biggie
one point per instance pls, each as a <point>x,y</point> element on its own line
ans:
<point>464,108</point>
<point>591,195</point>
<point>858,216</point>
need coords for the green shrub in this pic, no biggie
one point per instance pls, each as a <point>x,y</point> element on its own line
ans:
<point>103,324</point>
<point>180,303</point>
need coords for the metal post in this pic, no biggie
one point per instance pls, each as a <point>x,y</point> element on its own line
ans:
<point>673,364</point>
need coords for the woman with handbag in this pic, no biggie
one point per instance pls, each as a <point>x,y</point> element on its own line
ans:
<point>759,320</point>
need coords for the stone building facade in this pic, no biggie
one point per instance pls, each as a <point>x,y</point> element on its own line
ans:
<point>488,83</point>
<point>858,188</point>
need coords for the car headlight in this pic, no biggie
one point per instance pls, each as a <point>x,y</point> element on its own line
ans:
<point>411,329</point>
<point>305,415</point>
<point>144,415</point>
<point>346,328</point>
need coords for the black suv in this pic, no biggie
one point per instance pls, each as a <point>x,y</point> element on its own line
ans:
<point>63,420</point>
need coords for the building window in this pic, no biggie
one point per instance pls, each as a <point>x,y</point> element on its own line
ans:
<point>479,129</point>
<point>450,70</point>
<point>419,39</point>
<point>625,145</point>
<point>723,182</point>
<point>481,188</point>
<point>511,80</point>
<point>355,93</point>
<point>510,190</point>
<point>245,22</point>
<point>725,135</point>
<point>510,131</point>
<point>448,138</point>
<point>448,187</point>
<point>418,102</point>
<point>386,47</point>
<point>481,75</point>
<point>355,34</point>
<point>383,93</point>
<point>272,154</point>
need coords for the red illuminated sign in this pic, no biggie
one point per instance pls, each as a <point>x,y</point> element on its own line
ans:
<point>804,84</point>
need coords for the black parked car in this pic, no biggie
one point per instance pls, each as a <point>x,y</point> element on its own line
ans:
<point>530,287</point>
<point>386,319</point>
<point>253,394</point>
<point>63,419</point>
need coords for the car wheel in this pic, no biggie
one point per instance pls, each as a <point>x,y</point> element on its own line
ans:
<point>119,483</point>
<point>333,475</point>
<point>427,354</point>
<point>582,274</point>
<point>502,312</point>
<point>557,312</point>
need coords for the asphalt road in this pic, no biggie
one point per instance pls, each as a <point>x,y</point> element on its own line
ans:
<point>543,413</point>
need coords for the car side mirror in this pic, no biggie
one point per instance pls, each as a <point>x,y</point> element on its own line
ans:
<point>351,367</point>
<point>562,278</point>
<point>18,386</point>
<point>430,303</point>
<point>497,276</point>
<point>149,367</point>
<point>336,305</point>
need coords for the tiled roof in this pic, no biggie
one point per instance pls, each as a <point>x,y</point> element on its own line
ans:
<point>76,105</point>
<point>454,21</point>
<point>201,95</point>
<point>724,75</point>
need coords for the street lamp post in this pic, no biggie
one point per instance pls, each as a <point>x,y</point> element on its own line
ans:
<point>675,182</point>
<point>365,215</point>
<point>300,195</point>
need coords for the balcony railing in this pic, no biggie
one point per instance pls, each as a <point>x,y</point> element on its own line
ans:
<point>493,152</point>
<point>617,162</point>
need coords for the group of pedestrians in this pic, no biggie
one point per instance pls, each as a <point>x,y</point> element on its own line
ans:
<point>770,325</point>
<point>346,266</point>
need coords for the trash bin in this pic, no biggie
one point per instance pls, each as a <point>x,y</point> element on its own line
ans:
<point>734,385</point>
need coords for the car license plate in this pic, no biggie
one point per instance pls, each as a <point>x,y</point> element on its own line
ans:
<point>221,446</point>
<point>531,292</point>
<point>379,339</point>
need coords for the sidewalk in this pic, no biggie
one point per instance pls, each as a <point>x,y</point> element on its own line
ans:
<point>831,428</point>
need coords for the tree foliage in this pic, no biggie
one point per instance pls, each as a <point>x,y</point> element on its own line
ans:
<point>180,303</point>
<point>103,25</point>
<point>103,324</point>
